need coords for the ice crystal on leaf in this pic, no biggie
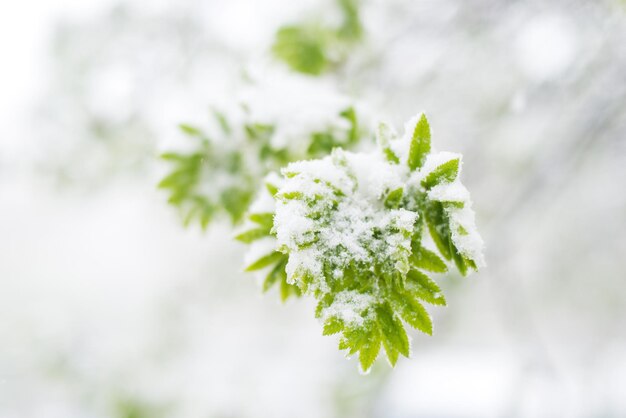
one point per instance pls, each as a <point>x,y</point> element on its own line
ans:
<point>349,229</point>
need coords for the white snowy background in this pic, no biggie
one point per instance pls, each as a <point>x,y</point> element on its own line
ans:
<point>109,308</point>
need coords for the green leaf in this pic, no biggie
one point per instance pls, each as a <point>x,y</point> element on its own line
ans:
<point>471,263</point>
<point>223,122</point>
<point>301,48</point>
<point>420,144</point>
<point>383,137</point>
<point>265,261</point>
<point>252,235</point>
<point>277,274</point>
<point>392,330</point>
<point>272,189</point>
<point>370,349</point>
<point>323,303</point>
<point>173,156</point>
<point>353,133</point>
<point>423,287</point>
<point>190,130</point>
<point>191,214</point>
<point>291,195</point>
<point>355,338</point>
<point>322,144</point>
<point>394,198</point>
<point>392,352</point>
<point>287,290</point>
<point>427,260</point>
<point>206,216</point>
<point>260,132</point>
<point>439,227</point>
<point>177,179</point>
<point>446,172</point>
<point>266,220</point>
<point>332,326</point>
<point>351,28</point>
<point>236,201</point>
<point>413,312</point>
<point>459,260</point>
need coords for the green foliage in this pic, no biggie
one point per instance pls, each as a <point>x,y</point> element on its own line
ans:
<point>384,135</point>
<point>191,170</point>
<point>446,172</point>
<point>312,48</point>
<point>269,264</point>
<point>420,144</point>
<point>131,408</point>
<point>221,175</point>
<point>351,27</point>
<point>351,229</point>
<point>302,48</point>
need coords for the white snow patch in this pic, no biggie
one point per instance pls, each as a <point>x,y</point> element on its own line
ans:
<point>465,234</point>
<point>350,306</point>
<point>449,192</point>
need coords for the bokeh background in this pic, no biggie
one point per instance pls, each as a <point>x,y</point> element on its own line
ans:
<point>110,308</point>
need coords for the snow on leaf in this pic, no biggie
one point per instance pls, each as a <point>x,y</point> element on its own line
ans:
<point>351,228</point>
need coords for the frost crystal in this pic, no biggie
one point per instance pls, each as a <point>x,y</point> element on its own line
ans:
<point>348,229</point>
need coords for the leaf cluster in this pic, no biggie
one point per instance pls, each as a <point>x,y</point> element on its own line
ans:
<point>269,266</point>
<point>313,48</point>
<point>369,300</point>
<point>221,175</point>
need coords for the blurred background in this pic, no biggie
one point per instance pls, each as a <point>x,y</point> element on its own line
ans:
<point>110,308</point>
